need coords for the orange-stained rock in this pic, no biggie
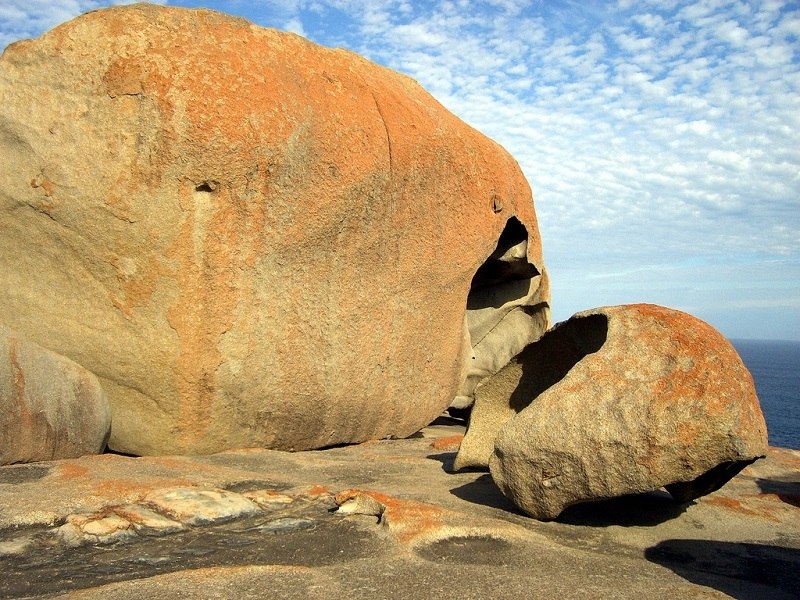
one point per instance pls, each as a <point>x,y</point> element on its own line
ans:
<point>646,397</point>
<point>253,240</point>
<point>50,407</point>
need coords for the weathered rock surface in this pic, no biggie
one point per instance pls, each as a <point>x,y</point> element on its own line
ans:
<point>250,239</point>
<point>500,397</point>
<point>409,529</point>
<point>50,407</point>
<point>507,309</point>
<point>196,507</point>
<point>648,397</point>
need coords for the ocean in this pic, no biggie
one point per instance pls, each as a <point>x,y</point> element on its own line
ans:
<point>775,367</point>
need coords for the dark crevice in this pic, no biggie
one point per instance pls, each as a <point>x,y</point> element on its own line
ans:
<point>499,293</point>
<point>508,262</point>
<point>207,187</point>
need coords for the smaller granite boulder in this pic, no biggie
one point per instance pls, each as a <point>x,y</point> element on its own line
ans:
<point>50,407</point>
<point>659,399</point>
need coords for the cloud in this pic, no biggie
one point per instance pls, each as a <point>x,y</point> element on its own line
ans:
<point>295,26</point>
<point>656,146</point>
<point>654,133</point>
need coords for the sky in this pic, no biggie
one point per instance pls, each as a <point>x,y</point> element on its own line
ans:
<point>661,138</point>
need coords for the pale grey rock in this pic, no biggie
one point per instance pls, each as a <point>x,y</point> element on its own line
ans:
<point>358,503</point>
<point>16,546</point>
<point>193,506</point>
<point>146,521</point>
<point>95,528</point>
<point>268,499</point>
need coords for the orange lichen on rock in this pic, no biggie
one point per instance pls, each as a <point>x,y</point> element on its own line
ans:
<point>623,399</point>
<point>745,505</point>
<point>132,488</point>
<point>316,491</point>
<point>71,470</point>
<point>451,442</point>
<point>409,521</point>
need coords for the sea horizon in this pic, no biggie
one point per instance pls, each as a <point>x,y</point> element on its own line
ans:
<point>775,367</point>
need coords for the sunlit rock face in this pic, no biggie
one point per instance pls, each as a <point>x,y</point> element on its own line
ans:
<point>252,240</point>
<point>634,398</point>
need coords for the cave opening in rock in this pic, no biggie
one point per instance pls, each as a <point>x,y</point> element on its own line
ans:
<point>207,187</point>
<point>507,308</point>
<point>508,262</point>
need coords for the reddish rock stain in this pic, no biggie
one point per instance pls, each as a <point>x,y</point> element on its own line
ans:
<point>408,520</point>
<point>452,442</point>
<point>743,506</point>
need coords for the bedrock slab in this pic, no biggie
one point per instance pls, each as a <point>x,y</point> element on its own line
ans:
<point>414,529</point>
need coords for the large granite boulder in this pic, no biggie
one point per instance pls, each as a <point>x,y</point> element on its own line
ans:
<point>646,397</point>
<point>50,407</point>
<point>250,239</point>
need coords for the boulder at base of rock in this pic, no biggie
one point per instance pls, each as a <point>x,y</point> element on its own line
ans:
<point>253,240</point>
<point>50,407</point>
<point>499,397</point>
<point>660,400</point>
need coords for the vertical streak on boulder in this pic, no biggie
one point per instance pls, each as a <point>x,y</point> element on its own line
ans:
<point>202,312</point>
<point>388,135</point>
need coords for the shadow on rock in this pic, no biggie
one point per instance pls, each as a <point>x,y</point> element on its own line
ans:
<point>635,510</point>
<point>741,570</point>
<point>446,458</point>
<point>471,550</point>
<point>15,474</point>
<point>483,491</point>
<point>455,417</point>
<point>787,490</point>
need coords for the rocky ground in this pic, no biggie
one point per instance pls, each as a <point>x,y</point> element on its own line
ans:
<point>258,524</point>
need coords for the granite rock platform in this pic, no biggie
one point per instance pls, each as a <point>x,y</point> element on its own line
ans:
<point>385,519</point>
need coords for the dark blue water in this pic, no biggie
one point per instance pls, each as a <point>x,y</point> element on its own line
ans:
<point>776,371</point>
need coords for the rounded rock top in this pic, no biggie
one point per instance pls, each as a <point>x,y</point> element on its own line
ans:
<point>250,239</point>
